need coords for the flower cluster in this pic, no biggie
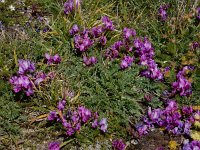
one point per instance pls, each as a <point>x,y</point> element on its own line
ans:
<point>52,59</point>
<point>27,78</point>
<point>162,12</point>
<point>145,51</point>
<point>182,85</point>
<point>82,41</point>
<point>73,120</point>
<point>22,81</point>
<point>193,145</point>
<point>25,66</point>
<point>113,51</point>
<point>69,6</point>
<point>126,62</point>
<point>169,118</point>
<point>87,37</point>
<point>118,144</point>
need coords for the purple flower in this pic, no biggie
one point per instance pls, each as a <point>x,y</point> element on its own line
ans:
<point>52,59</point>
<point>52,115</point>
<point>187,126</point>
<point>75,118</point>
<point>88,61</point>
<point>40,77</point>
<point>25,66</point>
<point>95,123</point>
<point>182,85</point>
<point>22,83</point>
<point>49,58</point>
<point>172,106</point>
<point>29,92</point>
<point>61,104</point>
<point>163,12</point>
<point>54,146</point>
<point>118,144</point>
<point>113,51</point>
<point>108,25</point>
<point>142,129</point>
<point>117,45</point>
<point>187,110</point>
<point>103,125</point>
<point>194,145</point>
<point>70,131</point>
<point>126,62</point>
<point>66,124</point>
<point>154,115</point>
<point>56,59</point>
<point>84,113</point>
<point>74,29</point>
<point>127,33</point>
<point>103,40</point>
<point>69,6</point>
<point>82,42</point>
<point>78,126</point>
<point>97,31</point>
<point>137,43</point>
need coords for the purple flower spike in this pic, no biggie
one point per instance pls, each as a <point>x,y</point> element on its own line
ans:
<point>25,66</point>
<point>118,144</point>
<point>108,25</point>
<point>74,30</point>
<point>54,146</point>
<point>103,125</point>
